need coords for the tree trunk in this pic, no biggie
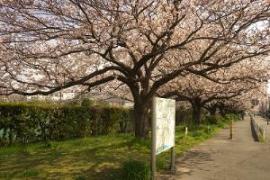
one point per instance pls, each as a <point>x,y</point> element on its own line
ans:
<point>196,113</point>
<point>10,136</point>
<point>222,111</point>
<point>123,126</point>
<point>141,119</point>
<point>212,111</point>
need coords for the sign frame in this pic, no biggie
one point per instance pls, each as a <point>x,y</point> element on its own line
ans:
<point>154,141</point>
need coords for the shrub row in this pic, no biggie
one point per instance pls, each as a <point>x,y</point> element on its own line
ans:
<point>221,120</point>
<point>32,122</point>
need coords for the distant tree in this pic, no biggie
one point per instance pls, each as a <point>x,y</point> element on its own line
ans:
<point>222,90</point>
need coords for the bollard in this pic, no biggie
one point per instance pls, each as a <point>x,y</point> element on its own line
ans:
<point>186,131</point>
<point>231,133</point>
<point>264,134</point>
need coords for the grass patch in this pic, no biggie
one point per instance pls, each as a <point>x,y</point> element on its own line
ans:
<point>30,173</point>
<point>136,170</point>
<point>99,157</point>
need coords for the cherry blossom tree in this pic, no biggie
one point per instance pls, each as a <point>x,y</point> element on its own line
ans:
<point>221,90</point>
<point>52,45</point>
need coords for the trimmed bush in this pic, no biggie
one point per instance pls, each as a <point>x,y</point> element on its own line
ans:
<point>216,119</point>
<point>136,170</point>
<point>32,122</point>
<point>87,102</point>
<point>221,121</point>
<point>232,116</point>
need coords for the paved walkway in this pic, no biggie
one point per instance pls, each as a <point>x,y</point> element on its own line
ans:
<point>220,158</point>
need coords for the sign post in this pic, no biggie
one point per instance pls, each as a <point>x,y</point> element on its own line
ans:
<point>163,131</point>
<point>173,160</point>
<point>153,149</point>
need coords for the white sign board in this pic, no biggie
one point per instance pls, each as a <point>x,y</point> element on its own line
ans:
<point>164,124</point>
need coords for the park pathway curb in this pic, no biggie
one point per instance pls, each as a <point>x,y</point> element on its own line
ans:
<point>261,128</point>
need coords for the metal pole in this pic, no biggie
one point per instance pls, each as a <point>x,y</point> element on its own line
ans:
<point>153,148</point>
<point>173,169</point>
<point>173,160</point>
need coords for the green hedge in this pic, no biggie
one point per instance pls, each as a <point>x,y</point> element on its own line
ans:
<point>32,122</point>
<point>222,120</point>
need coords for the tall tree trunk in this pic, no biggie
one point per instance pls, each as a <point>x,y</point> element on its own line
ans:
<point>141,119</point>
<point>196,113</point>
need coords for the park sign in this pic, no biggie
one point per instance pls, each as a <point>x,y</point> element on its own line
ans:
<point>164,117</point>
<point>163,130</point>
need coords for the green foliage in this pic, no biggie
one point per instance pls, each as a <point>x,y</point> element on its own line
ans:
<point>80,178</point>
<point>87,102</point>
<point>136,170</point>
<point>233,116</point>
<point>42,121</point>
<point>213,119</point>
<point>30,173</point>
<point>221,121</point>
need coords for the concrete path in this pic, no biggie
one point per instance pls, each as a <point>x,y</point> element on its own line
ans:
<point>220,158</point>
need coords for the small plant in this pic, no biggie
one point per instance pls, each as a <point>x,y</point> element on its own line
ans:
<point>47,145</point>
<point>30,173</point>
<point>24,151</point>
<point>5,175</point>
<point>81,177</point>
<point>136,170</point>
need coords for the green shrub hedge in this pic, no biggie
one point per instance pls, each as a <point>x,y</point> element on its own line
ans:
<point>221,120</point>
<point>32,122</point>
